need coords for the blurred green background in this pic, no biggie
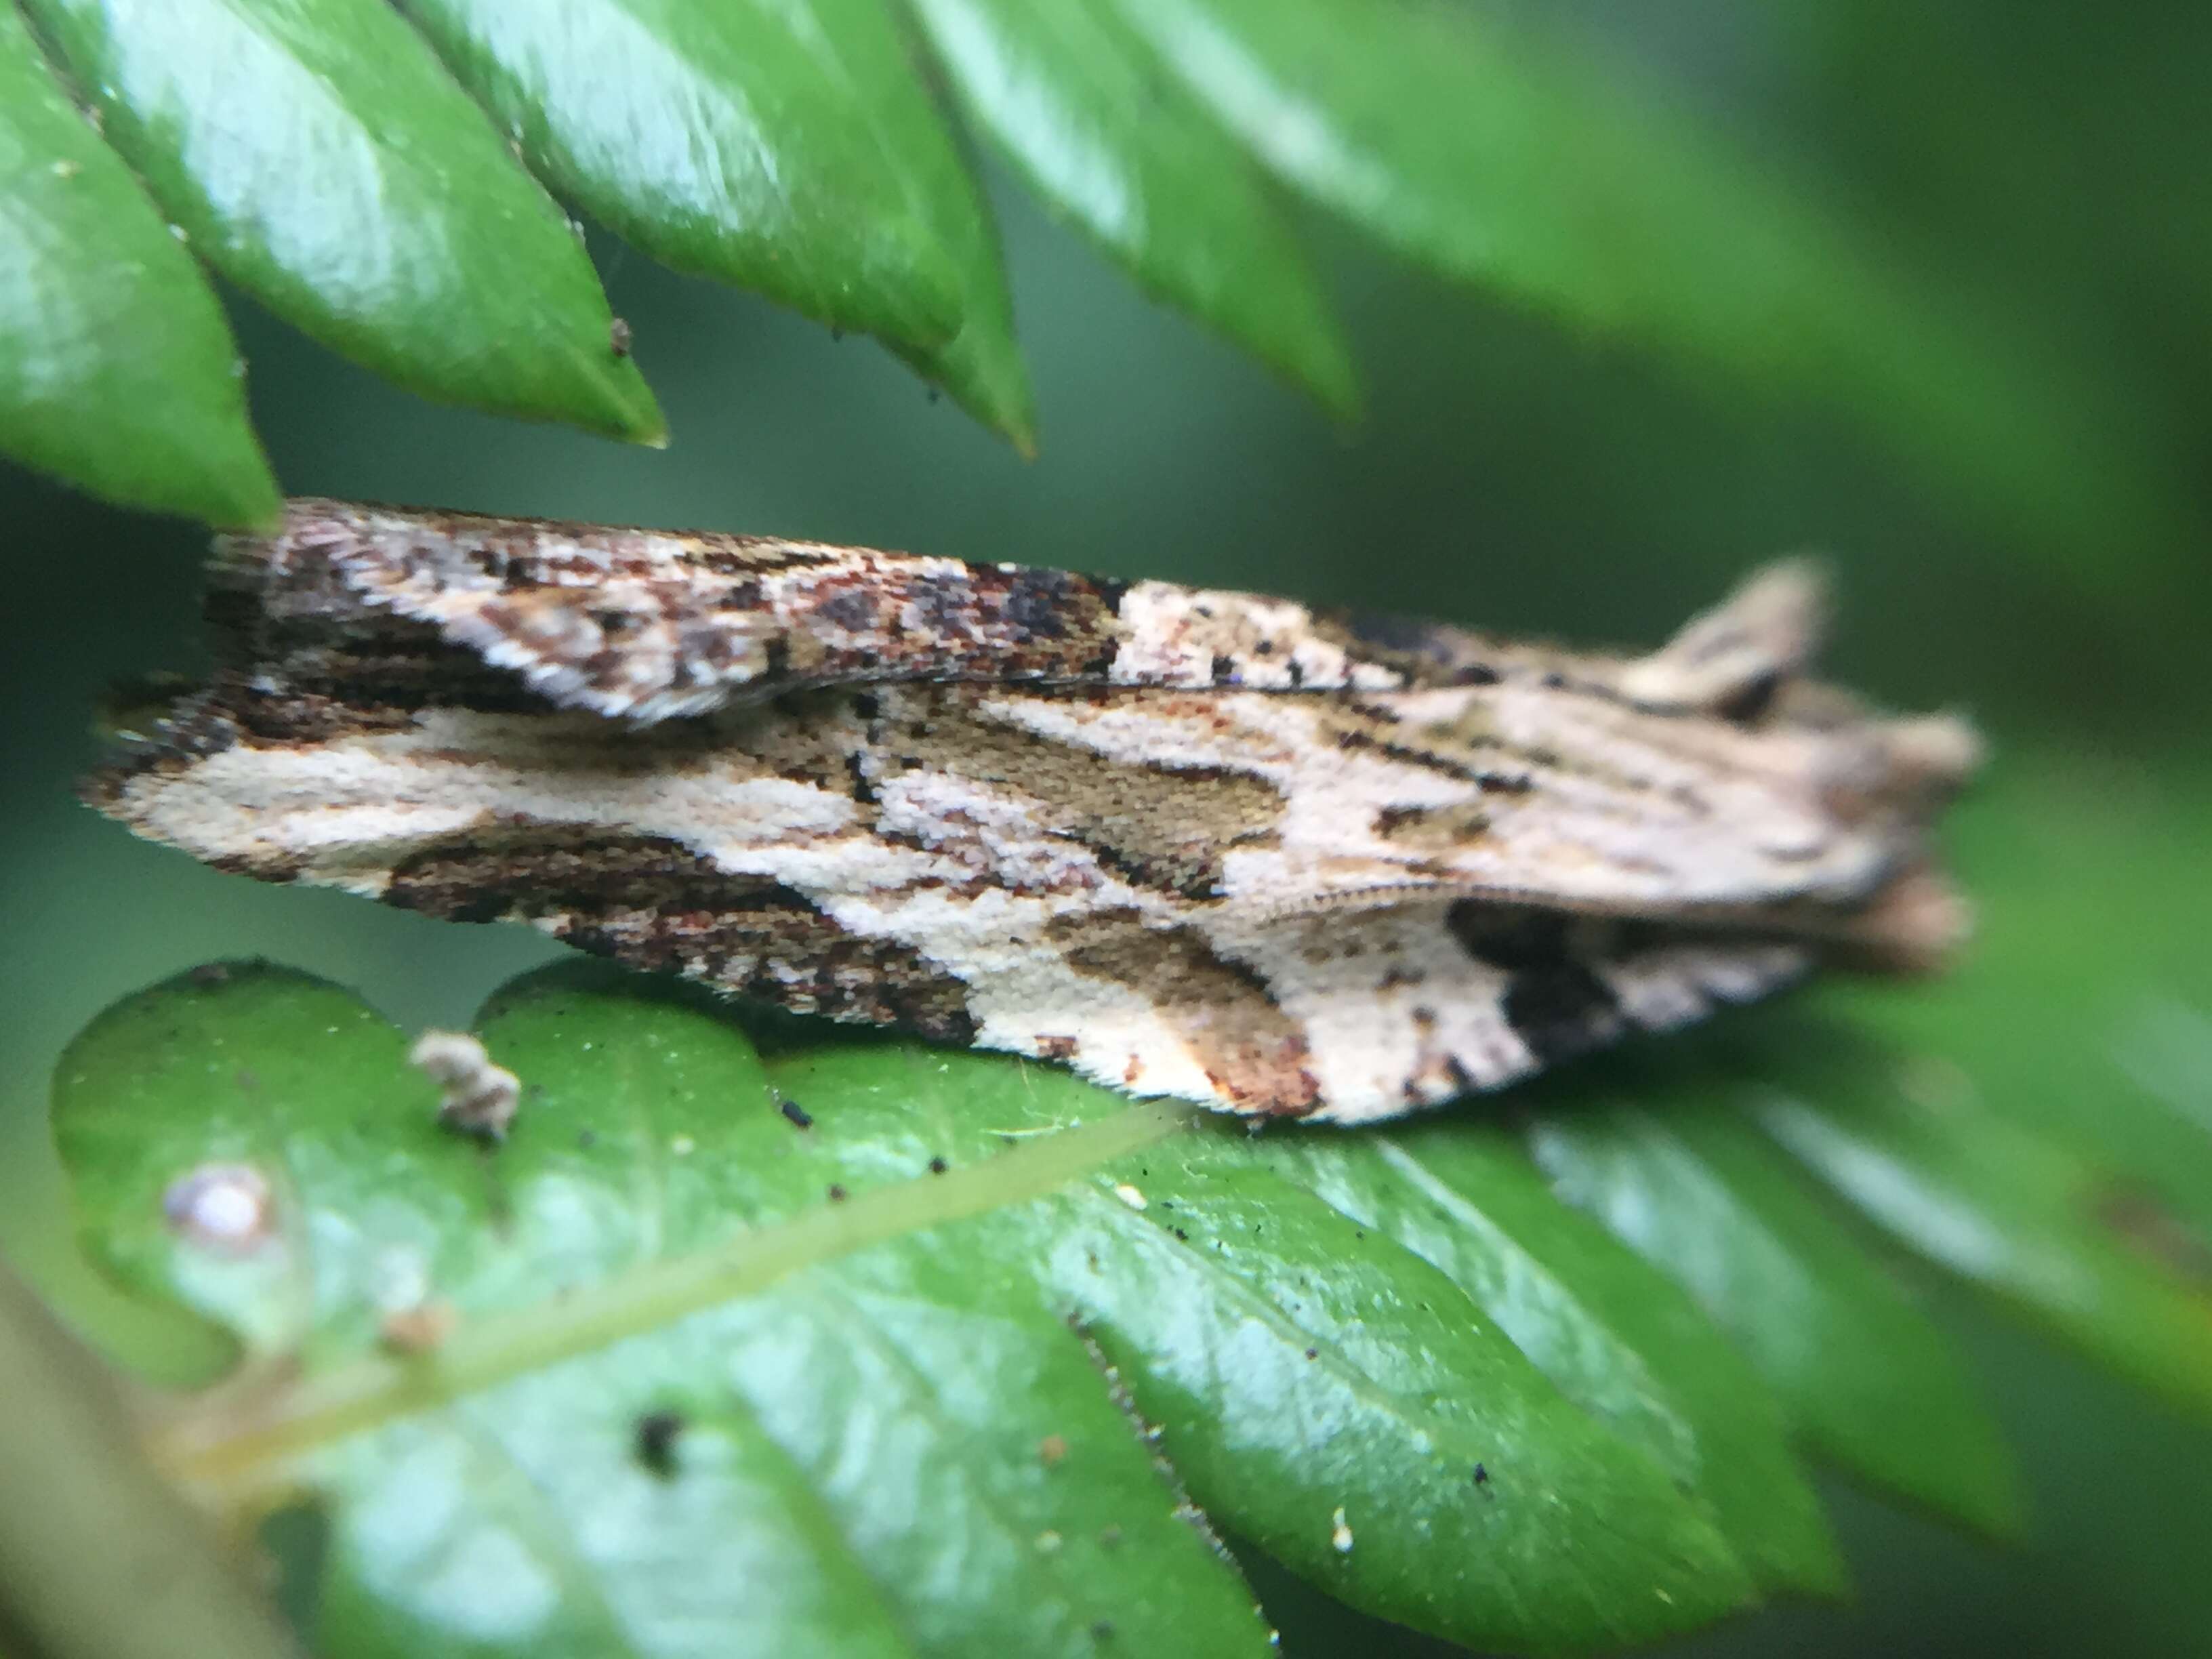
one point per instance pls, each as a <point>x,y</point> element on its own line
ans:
<point>2048,158</point>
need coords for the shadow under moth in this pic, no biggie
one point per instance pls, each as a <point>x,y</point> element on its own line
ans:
<point>1197,843</point>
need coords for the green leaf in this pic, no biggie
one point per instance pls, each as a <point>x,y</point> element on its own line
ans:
<point>981,366</point>
<point>1100,130</point>
<point>1495,148</point>
<point>1616,1337</point>
<point>1866,1377</point>
<point>859,1450</point>
<point>318,156</point>
<point>2029,1125</point>
<point>1328,1395</point>
<point>862,1327</point>
<point>2083,1009</point>
<point>116,370</point>
<point>2096,1258</point>
<point>744,142</point>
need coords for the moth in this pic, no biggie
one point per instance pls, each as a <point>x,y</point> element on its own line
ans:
<point>1196,843</point>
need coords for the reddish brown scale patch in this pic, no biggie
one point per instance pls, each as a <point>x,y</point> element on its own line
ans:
<point>1254,1054</point>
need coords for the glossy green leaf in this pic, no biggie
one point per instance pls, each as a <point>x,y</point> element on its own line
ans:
<point>318,156</point>
<point>1867,1379</point>
<point>117,369</point>
<point>2095,1257</point>
<point>1324,1392</point>
<point>1497,148</point>
<point>1612,1333</point>
<point>980,366</point>
<point>2083,1009</point>
<point>888,1431</point>
<point>1097,128</point>
<point>681,1393</point>
<point>863,1326</point>
<point>744,142</point>
<point>2034,1122</point>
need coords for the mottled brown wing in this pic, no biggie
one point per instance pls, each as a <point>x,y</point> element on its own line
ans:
<point>1195,843</point>
<point>651,625</point>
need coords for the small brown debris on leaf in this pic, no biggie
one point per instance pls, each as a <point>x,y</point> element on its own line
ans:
<point>419,1329</point>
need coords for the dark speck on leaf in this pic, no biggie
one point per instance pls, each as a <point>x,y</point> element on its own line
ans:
<point>586,1139</point>
<point>798,1114</point>
<point>656,1434</point>
<point>1313,1353</point>
<point>1103,1630</point>
<point>836,1194</point>
<point>937,1166</point>
<point>1482,1475</point>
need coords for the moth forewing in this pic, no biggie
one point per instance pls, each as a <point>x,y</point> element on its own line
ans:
<point>1205,844</point>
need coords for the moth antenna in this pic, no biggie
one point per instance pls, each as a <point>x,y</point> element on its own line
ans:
<point>1731,659</point>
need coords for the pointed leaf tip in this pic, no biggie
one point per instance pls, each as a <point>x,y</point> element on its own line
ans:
<point>118,373</point>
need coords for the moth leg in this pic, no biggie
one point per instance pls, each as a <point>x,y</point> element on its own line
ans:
<point>1731,659</point>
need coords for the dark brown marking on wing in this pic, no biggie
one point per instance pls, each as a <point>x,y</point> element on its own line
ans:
<point>1454,825</point>
<point>1553,1000</point>
<point>295,630</point>
<point>1357,740</point>
<point>1427,653</point>
<point>652,903</point>
<point>1167,828</point>
<point>1252,1052</point>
